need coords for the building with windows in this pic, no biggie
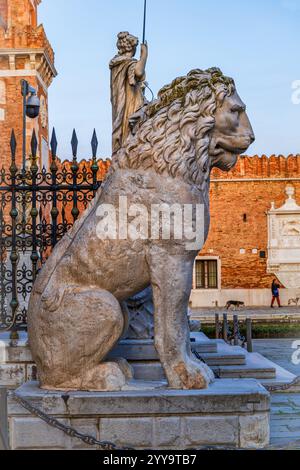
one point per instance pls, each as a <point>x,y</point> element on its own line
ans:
<point>254,235</point>
<point>25,53</point>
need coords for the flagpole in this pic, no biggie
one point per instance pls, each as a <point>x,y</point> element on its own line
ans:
<point>145,17</point>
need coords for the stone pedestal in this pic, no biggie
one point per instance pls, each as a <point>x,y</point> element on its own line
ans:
<point>231,413</point>
<point>16,364</point>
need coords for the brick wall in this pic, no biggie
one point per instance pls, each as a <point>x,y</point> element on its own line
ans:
<point>3,11</point>
<point>239,202</point>
<point>26,54</point>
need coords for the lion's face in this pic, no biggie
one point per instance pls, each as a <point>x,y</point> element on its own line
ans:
<point>232,134</point>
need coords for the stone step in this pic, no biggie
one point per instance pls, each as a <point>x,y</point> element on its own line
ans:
<point>144,350</point>
<point>202,344</point>
<point>256,367</point>
<point>283,379</point>
<point>226,356</point>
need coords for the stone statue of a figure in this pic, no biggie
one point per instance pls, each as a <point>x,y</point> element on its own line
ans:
<point>127,86</point>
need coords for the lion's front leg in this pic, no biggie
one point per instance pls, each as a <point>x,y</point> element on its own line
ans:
<point>171,278</point>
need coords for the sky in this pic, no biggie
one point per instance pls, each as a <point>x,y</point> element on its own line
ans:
<point>254,41</point>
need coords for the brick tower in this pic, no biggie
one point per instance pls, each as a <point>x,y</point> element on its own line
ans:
<point>25,53</point>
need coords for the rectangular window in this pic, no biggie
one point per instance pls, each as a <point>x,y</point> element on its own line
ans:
<point>200,274</point>
<point>206,274</point>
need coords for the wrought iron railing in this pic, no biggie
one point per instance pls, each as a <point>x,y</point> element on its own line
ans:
<point>37,207</point>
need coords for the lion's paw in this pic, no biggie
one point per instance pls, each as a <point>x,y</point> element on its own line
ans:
<point>189,375</point>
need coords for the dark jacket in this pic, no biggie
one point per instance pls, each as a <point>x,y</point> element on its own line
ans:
<point>275,289</point>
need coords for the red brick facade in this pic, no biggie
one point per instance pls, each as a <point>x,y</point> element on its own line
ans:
<point>25,53</point>
<point>239,203</point>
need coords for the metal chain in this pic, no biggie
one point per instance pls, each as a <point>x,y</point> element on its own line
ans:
<point>276,388</point>
<point>53,422</point>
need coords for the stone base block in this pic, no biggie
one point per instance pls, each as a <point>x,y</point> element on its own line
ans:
<point>16,365</point>
<point>231,413</point>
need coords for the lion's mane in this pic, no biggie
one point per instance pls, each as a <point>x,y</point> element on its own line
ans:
<point>173,137</point>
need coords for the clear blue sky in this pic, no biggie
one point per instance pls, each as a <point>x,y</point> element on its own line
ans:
<point>254,41</point>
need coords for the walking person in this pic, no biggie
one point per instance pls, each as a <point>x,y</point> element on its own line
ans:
<point>275,293</point>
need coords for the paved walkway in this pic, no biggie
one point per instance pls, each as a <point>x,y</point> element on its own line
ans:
<point>285,407</point>
<point>285,420</point>
<point>280,351</point>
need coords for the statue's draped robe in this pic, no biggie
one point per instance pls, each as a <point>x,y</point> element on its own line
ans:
<point>126,97</point>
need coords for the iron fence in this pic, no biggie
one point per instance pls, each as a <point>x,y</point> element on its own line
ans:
<point>37,207</point>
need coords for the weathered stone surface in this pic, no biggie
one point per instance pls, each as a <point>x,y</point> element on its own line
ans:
<point>167,432</point>
<point>74,316</point>
<point>127,86</point>
<point>230,413</point>
<point>16,366</point>
<point>32,433</point>
<point>136,432</point>
<point>19,354</point>
<point>216,431</point>
<point>232,395</point>
<point>12,375</point>
<point>148,371</point>
<point>255,431</point>
<point>89,427</point>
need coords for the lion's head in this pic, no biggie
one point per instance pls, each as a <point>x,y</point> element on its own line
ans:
<point>198,122</point>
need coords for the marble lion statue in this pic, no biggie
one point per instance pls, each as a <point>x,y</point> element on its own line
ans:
<point>75,313</point>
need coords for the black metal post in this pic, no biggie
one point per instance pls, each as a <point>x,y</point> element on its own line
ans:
<point>25,91</point>
<point>217,323</point>
<point>14,256</point>
<point>144,23</point>
<point>34,211</point>
<point>54,169</point>
<point>74,169</point>
<point>225,327</point>
<point>236,330</point>
<point>249,335</point>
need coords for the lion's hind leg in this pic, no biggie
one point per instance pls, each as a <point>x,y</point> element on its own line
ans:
<point>84,329</point>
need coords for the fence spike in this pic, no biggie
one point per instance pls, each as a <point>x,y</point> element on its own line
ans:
<point>34,144</point>
<point>53,144</point>
<point>13,144</point>
<point>74,143</point>
<point>94,143</point>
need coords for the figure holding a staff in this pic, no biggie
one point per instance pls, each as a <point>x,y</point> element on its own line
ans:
<point>127,86</point>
